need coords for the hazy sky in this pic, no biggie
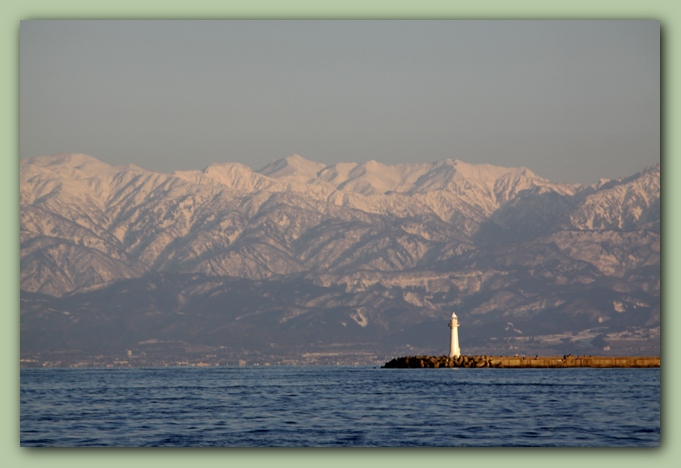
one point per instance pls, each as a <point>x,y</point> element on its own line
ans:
<point>573,101</point>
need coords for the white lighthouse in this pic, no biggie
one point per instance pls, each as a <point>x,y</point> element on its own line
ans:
<point>454,350</point>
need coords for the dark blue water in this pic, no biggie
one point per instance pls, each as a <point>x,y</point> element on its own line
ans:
<point>339,406</point>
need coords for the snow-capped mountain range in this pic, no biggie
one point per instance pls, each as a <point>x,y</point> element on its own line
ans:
<point>497,244</point>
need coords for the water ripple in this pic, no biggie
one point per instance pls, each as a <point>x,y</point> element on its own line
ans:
<point>339,406</point>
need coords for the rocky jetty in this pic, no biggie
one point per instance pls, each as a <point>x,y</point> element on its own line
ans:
<point>479,361</point>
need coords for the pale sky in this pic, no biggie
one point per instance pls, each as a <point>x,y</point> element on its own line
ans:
<point>574,101</point>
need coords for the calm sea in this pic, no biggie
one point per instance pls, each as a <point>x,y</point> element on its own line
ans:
<point>339,406</point>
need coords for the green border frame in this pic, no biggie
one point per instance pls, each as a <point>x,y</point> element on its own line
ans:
<point>12,12</point>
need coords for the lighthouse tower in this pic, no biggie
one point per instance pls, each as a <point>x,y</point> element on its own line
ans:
<point>454,350</point>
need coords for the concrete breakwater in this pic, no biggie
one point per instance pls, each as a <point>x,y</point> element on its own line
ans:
<point>478,361</point>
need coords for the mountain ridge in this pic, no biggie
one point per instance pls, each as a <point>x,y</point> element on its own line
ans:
<point>425,238</point>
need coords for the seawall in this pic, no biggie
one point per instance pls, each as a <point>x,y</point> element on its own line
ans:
<point>520,362</point>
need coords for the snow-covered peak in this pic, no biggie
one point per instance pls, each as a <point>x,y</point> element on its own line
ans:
<point>226,172</point>
<point>482,172</point>
<point>72,166</point>
<point>367,178</point>
<point>60,159</point>
<point>294,165</point>
<point>373,177</point>
<point>626,203</point>
<point>443,174</point>
<point>338,173</point>
<point>235,176</point>
<point>75,176</point>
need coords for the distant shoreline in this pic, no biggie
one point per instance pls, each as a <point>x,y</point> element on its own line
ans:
<point>522,362</point>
